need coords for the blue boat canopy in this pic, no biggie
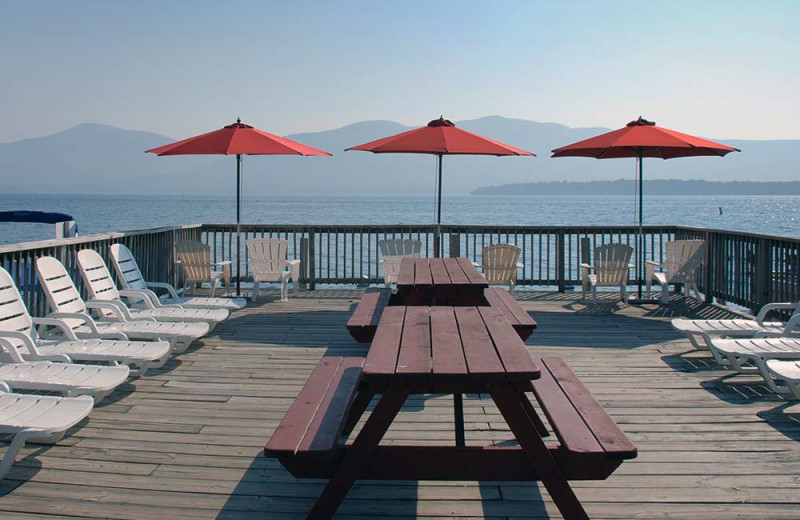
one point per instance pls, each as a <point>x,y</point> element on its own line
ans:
<point>42,217</point>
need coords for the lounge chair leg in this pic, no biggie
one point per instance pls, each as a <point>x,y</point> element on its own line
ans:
<point>16,444</point>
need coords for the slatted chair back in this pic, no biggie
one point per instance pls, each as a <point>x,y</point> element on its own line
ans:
<point>195,259</point>
<point>267,258</point>
<point>14,316</point>
<point>128,273</point>
<point>58,287</point>
<point>682,259</point>
<point>611,263</point>
<point>97,278</point>
<point>393,251</point>
<point>499,263</point>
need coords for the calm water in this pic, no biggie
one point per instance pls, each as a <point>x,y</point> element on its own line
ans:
<point>95,214</point>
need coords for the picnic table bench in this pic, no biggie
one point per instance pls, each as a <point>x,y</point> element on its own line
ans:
<point>418,350</point>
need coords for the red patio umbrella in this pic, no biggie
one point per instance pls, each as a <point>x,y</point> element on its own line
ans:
<point>440,137</point>
<point>237,139</point>
<point>640,139</point>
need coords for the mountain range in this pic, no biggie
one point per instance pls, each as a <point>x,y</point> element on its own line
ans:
<point>95,158</point>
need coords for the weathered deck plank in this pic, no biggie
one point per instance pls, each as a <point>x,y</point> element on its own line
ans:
<point>186,441</point>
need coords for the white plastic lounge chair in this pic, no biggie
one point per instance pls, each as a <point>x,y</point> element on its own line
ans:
<point>37,418</point>
<point>611,266</point>
<point>682,259</point>
<point>268,260</point>
<point>100,285</point>
<point>788,372</point>
<point>393,251</point>
<point>499,263</point>
<point>747,355</point>
<point>19,338</point>
<point>130,277</point>
<point>701,332</point>
<point>195,259</point>
<point>67,305</point>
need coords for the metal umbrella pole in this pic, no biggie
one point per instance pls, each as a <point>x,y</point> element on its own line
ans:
<point>238,222</point>
<point>437,239</point>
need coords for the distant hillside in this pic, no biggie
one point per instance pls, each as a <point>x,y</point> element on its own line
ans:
<point>653,187</point>
<point>93,158</point>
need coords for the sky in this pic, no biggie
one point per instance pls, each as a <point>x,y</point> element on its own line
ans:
<point>721,69</point>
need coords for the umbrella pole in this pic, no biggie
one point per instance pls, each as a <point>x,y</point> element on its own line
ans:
<point>238,222</point>
<point>437,239</point>
<point>640,245</point>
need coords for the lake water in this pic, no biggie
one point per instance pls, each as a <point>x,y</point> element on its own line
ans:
<point>778,215</point>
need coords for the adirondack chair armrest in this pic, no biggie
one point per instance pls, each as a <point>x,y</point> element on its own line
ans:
<point>59,324</point>
<point>292,262</point>
<point>520,265</point>
<point>145,296</point>
<point>587,267</point>
<point>11,349</point>
<point>222,263</point>
<point>162,285</point>
<point>118,309</point>
<point>766,309</point>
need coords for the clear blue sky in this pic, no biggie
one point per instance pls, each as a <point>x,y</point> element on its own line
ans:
<point>723,69</point>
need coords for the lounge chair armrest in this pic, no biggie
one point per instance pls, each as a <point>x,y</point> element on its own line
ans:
<point>162,285</point>
<point>85,318</point>
<point>766,309</point>
<point>59,324</point>
<point>5,341</point>
<point>145,296</point>
<point>118,309</point>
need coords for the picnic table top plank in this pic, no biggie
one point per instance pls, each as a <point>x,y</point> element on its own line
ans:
<point>501,297</point>
<point>407,269</point>
<point>456,271</point>
<point>516,359</point>
<point>482,358</point>
<point>422,273</point>
<point>473,275</point>
<point>415,347</point>
<point>439,273</point>
<point>448,353</point>
<point>382,357</point>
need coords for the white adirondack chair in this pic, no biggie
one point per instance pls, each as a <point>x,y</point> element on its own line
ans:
<point>21,342</point>
<point>393,251</point>
<point>195,259</point>
<point>37,418</point>
<point>268,261</point>
<point>499,263</point>
<point>67,305</point>
<point>100,285</point>
<point>130,277</point>
<point>611,266</point>
<point>682,259</point>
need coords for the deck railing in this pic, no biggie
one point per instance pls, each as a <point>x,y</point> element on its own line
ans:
<point>743,268</point>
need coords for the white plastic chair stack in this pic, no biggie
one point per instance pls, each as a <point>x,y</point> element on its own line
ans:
<point>499,263</point>
<point>393,252</point>
<point>268,261</point>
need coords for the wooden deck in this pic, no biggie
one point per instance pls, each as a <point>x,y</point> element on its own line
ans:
<point>186,442</point>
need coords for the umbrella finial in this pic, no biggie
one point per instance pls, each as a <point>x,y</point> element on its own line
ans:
<point>641,122</point>
<point>441,122</point>
<point>238,120</point>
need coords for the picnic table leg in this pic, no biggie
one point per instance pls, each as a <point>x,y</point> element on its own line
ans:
<point>360,452</point>
<point>534,417</point>
<point>515,414</point>
<point>359,406</point>
<point>458,419</point>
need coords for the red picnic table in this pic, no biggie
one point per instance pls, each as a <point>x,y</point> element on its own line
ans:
<point>447,350</point>
<point>440,281</point>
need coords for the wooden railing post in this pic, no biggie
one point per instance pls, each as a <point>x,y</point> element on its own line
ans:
<point>708,261</point>
<point>455,244</point>
<point>304,261</point>
<point>312,261</point>
<point>561,261</point>
<point>762,277</point>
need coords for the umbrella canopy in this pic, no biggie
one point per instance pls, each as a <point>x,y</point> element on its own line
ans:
<point>237,139</point>
<point>642,138</point>
<point>440,137</point>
